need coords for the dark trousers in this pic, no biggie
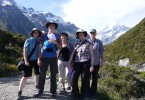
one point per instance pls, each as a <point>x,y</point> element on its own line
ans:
<point>28,69</point>
<point>53,71</point>
<point>94,75</point>
<point>83,69</point>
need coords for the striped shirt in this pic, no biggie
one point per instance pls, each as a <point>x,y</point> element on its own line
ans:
<point>83,52</point>
<point>98,50</point>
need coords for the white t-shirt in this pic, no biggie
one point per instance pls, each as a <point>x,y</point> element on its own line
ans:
<point>51,36</point>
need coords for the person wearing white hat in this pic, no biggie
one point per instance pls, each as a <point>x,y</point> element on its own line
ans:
<point>83,65</point>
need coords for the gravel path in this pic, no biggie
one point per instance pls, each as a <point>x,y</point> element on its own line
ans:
<point>9,89</point>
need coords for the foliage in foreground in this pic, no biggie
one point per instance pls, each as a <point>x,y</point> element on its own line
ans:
<point>119,83</point>
<point>142,75</point>
<point>10,52</point>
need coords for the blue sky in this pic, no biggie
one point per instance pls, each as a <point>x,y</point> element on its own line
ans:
<point>89,14</point>
<point>53,6</point>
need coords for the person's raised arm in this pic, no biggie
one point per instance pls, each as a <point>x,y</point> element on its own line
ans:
<point>59,47</point>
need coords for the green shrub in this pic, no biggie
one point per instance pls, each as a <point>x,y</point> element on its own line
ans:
<point>129,45</point>
<point>118,83</point>
<point>8,70</point>
<point>142,75</point>
<point>10,52</point>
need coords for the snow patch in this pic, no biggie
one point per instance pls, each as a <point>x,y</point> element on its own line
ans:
<point>111,33</point>
<point>6,2</point>
<point>119,34</point>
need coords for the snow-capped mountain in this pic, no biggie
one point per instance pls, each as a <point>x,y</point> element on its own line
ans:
<point>111,33</point>
<point>40,18</point>
<point>19,19</point>
<point>6,2</point>
<point>13,20</point>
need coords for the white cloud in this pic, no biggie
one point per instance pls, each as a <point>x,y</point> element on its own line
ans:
<point>97,14</point>
<point>133,18</point>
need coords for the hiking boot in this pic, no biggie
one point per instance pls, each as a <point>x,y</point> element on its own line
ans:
<point>53,95</point>
<point>38,94</point>
<point>62,91</point>
<point>94,97</point>
<point>68,87</point>
<point>74,97</point>
<point>87,98</point>
<point>19,95</point>
<point>36,87</point>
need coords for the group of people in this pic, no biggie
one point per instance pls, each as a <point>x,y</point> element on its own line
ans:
<point>54,50</point>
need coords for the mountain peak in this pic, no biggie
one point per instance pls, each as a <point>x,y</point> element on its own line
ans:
<point>7,2</point>
<point>130,45</point>
<point>113,26</point>
<point>111,32</point>
<point>22,19</point>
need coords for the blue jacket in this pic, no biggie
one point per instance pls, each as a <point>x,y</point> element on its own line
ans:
<point>49,49</point>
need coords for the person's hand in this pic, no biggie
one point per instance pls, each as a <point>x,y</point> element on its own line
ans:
<point>39,62</point>
<point>91,68</point>
<point>52,41</point>
<point>27,63</point>
<point>101,63</point>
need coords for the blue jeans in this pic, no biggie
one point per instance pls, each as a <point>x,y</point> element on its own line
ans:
<point>53,71</point>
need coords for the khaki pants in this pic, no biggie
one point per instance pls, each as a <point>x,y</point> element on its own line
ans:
<point>63,70</point>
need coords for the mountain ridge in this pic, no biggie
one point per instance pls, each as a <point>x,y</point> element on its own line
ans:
<point>33,18</point>
<point>129,45</point>
<point>112,32</point>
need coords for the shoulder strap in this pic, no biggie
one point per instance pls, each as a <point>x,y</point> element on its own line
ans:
<point>32,51</point>
<point>75,50</point>
<point>80,44</point>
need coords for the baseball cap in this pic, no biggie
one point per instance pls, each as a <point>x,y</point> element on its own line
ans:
<point>92,31</point>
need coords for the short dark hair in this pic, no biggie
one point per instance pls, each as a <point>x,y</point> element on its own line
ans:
<point>64,33</point>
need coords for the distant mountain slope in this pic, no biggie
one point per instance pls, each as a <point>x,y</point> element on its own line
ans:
<point>111,33</point>
<point>40,18</point>
<point>130,45</point>
<point>18,19</point>
<point>12,19</point>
